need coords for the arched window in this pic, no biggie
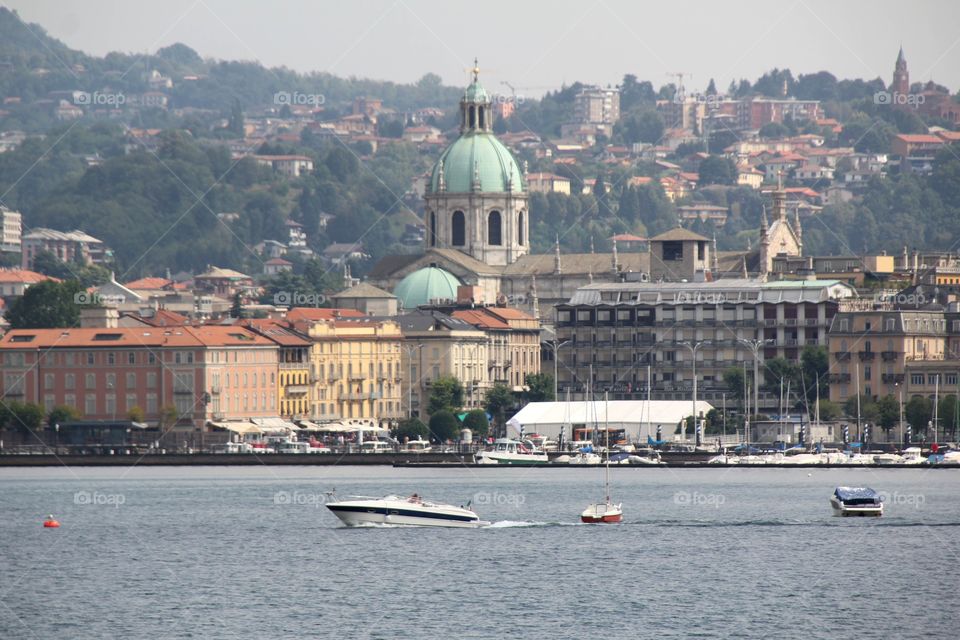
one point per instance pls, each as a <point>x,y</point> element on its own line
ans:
<point>494,229</point>
<point>433,229</point>
<point>458,231</point>
<point>483,119</point>
<point>473,117</point>
<point>520,229</point>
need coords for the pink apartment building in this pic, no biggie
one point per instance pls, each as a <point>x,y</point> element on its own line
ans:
<point>206,373</point>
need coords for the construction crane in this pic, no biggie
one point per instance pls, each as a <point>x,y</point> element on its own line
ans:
<point>679,75</point>
<point>513,89</point>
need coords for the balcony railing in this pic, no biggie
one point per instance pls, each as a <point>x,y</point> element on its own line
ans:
<point>840,377</point>
<point>867,355</point>
<point>892,378</point>
<point>888,355</point>
<point>842,356</point>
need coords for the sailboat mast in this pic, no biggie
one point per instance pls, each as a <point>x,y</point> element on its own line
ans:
<point>858,400</point>
<point>606,427</point>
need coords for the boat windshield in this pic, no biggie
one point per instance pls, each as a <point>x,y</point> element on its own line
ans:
<point>857,495</point>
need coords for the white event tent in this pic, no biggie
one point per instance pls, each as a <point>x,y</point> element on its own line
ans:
<point>638,418</point>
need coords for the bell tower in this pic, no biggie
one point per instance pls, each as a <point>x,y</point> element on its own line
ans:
<point>901,77</point>
<point>476,201</point>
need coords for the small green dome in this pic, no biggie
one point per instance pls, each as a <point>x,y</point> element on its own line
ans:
<point>477,152</point>
<point>475,93</point>
<point>426,285</point>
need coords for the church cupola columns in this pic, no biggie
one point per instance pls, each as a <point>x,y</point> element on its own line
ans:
<point>475,113</point>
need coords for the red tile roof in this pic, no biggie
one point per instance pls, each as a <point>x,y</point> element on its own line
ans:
<point>186,337</point>
<point>278,332</point>
<point>480,319</point>
<point>919,137</point>
<point>24,276</point>
<point>149,283</point>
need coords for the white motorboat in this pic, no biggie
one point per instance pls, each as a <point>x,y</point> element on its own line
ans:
<point>412,511</point>
<point>590,459</point>
<point>649,459</point>
<point>912,455</point>
<point>887,458</point>
<point>856,501</point>
<point>860,458</point>
<point>507,451</point>
<point>540,443</point>
<point>417,446</point>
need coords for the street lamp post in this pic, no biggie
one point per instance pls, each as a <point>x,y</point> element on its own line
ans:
<point>555,347</point>
<point>409,350</point>
<point>900,389</point>
<point>694,347</point>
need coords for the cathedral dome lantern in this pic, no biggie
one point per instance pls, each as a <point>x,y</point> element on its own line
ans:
<point>476,200</point>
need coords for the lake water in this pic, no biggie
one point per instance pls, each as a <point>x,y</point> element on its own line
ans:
<point>223,552</point>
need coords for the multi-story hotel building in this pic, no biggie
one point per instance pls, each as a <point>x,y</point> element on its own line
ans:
<point>205,373</point>
<point>355,365</point>
<point>621,329</point>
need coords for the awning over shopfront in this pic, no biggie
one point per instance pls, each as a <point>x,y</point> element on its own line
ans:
<point>238,426</point>
<point>275,425</point>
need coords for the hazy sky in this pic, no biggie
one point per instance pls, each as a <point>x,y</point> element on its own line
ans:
<point>533,45</point>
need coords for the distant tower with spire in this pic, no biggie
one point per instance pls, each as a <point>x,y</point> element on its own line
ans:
<point>901,78</point>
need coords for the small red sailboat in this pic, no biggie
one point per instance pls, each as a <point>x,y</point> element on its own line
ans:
<point>606,511</point>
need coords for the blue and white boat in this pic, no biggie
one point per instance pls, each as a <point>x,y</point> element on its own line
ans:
<point>413,511</point>
<point>856,501</point>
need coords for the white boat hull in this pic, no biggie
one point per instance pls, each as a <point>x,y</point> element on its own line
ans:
<point>404,512</point>
<point>840,509</point>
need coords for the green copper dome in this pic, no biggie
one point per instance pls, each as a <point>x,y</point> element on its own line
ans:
<point>426,285</point>
<point>477,154</point>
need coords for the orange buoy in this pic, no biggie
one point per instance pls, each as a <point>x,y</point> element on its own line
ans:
<point>50,522</point>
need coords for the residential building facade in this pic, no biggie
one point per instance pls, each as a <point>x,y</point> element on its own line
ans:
<point>355,368</point>
<point>201,373</point>
<point>619,330</point>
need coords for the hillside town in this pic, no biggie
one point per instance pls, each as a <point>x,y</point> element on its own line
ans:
<point>474,294</point>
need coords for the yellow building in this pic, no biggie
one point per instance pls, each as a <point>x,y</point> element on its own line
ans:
<point>293,390</point>
<point>355,367</point>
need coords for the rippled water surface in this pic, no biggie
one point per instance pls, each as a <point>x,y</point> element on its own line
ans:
<point>210,552</point>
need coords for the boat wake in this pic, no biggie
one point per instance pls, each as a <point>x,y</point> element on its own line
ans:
<point>519,524</point>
